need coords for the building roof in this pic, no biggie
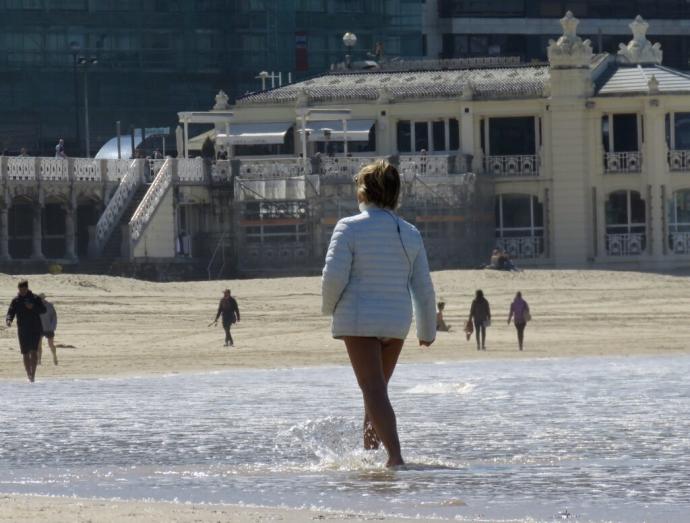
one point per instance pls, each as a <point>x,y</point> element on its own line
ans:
<point>635,80</point>
<point>512,82</point>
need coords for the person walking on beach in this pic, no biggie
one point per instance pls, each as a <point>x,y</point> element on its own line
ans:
<point>231,314</point>
<point>49,325</point>
<point>480,313</point>
<point>27,308</point>
<point>519,311</point>
<point>376,269</point>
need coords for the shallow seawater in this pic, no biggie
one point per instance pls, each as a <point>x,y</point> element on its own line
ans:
<point>588,439</point>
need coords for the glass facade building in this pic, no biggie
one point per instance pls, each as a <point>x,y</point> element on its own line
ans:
<point>142,61</point>
<point>461,28</point>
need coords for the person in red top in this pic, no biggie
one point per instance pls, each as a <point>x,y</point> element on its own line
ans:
<point>519,311</point>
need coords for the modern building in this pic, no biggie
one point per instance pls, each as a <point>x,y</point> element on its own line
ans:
<point>463,28</point>
<point>580,162</point>
<point>140,60</point>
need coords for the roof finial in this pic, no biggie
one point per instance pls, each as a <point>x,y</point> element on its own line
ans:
<point>653,85</point>
<point>640,50</point>
<point>221,101</point>
<point>570,50</point>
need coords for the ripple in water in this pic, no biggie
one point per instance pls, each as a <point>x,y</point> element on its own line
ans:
<point>541,440</point>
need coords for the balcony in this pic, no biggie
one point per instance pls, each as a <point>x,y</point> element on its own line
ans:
<point>679,160</point>
<point>680,242</point>
<point>524,247</point>
<point>623,163</point>
<point>627,244</point>
<point>512,165</point>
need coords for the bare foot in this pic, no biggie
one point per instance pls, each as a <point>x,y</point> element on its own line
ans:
<point>396,463</point>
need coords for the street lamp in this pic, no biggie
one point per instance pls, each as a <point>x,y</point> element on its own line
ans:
<point>74,49</point>
<point>86,63</point>
<point>350,40</point>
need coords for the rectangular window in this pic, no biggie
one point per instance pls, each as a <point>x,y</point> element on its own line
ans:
<point>512,136</point>
<point>454,132</point>
<point>625,137</point>
<point>421,136</point>
<point>404,137</point>
<point>439,135</point>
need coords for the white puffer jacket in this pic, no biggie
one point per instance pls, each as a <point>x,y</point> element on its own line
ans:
<point>369,278</point>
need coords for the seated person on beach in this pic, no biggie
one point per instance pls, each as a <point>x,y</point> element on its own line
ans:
<point>441,325</point>
<point>493,263</point>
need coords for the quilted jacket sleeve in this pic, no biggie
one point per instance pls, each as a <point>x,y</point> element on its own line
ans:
<point>423,297</point>
<point>336,272</point>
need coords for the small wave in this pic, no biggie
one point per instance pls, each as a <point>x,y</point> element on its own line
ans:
<point>441,388</point>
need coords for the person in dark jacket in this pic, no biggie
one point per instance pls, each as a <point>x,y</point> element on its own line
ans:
<point>480,313</point>
<point>231,314</point>
<point>27,308</point>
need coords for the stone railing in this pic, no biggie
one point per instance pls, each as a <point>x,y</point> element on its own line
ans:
<point>258,169</point>
<point>524,247</point>
<point>347,166</point>
<point>679,160</point>
<point>424,165</point>
<point>221,171</point>
<point>116,170</point>
<point>626,244</point>
<point>54,169</point>
<point>144,212</point>
<point>680,242</point>
<point>190,171</point>
<point>118,204</point>
<point>622,163</point>
<point>21,169</point>
<point>87,170</point>
<point>512,165</point>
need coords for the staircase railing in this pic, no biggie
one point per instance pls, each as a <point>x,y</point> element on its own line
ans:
<point>220,248</point>
<point>152,199</point>
<point>118,203</point>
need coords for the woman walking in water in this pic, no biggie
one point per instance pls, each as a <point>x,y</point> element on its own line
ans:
<point>480,313</point>
<point>376,269</point>
<point>519,311</point>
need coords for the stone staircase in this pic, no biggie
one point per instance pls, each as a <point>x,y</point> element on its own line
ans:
<point>113,247</point>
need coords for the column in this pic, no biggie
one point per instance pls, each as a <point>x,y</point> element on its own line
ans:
<point>4,235</point>
<point>37,251</point>
<point>70,234</point>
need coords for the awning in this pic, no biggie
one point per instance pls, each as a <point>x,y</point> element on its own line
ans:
<point>357,130</point>
<point>255,133</point>
<point>197,142</point>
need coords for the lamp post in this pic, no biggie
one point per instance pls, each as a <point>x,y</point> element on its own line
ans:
<point>350,40</point>
<point>86,63</point>
<point>74,49</point>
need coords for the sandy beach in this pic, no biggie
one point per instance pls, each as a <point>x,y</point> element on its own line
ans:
<point>122,327</point>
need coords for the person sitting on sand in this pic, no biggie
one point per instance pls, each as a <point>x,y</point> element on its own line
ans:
<point>494,262</point>
<point>231,314</point>
<point>377,258</point>
<point>49,325</point>
<point>441,325</point>
<point>27,308</point>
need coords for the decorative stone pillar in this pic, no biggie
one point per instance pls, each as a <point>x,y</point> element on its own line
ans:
<point>4,235</point>
<point>37,250</point>
<point>70,234</point>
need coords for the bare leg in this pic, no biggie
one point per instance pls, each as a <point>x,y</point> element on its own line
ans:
<point>40,349</point>
<point>389,355</point>
<point>366,356</point>
<point>30,363</point>
<point>51,342</point>
<point>27,365</point>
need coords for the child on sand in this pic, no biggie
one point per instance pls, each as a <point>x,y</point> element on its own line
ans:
<point>441,325</point>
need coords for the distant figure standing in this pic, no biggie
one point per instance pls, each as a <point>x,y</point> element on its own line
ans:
<point>23,152</point>
<point>157,154</point>
<point>519,311</point>
<point>480,313</point>
<point>231,314</point>
<point>49,324</point>
<point>27,308</point>
<point>441,325</point>
<point>60,149</point>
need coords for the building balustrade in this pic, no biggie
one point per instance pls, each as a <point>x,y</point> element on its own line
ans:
<point>58,170</point>
<point>679,160</point>
<point>680,242</point>
<point>626,244</point>
<point>268,168</point>
<point>623,163</point>
<point>512,165</point>
<point>523,247</point>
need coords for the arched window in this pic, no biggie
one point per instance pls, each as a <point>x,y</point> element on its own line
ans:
<point>626,224</point>
<point>679,222</point>
<point>520,225</point>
